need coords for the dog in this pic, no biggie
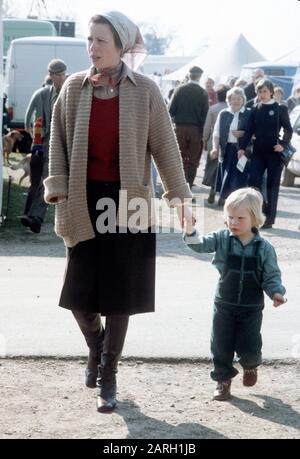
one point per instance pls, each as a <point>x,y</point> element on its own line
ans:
<point>8,141</point>
<point>24,146</point>
<point>25,165</point>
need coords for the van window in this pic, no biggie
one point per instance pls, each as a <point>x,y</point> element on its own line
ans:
<point>275,71</point>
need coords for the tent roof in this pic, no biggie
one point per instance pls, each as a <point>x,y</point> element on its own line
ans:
<point>292,56</point>
<point>226,57</point>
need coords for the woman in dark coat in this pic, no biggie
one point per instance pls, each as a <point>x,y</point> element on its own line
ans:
<point>265,123</point>
<point>211,165</point>
<point>229,129</point>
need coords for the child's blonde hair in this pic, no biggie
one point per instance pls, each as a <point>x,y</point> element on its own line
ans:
<point>249,198</point>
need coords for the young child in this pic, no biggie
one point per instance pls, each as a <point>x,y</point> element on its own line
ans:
<point>247,264</point>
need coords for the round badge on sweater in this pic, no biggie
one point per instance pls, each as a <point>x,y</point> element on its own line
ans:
<point>271,113</point>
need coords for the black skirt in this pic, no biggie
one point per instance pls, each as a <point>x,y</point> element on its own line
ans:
<point>114,273</point>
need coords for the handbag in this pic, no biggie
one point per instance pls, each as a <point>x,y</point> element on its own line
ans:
<point>289,150</point>
<point>287,154</point>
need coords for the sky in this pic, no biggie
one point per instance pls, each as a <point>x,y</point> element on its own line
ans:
<point>271,26</point>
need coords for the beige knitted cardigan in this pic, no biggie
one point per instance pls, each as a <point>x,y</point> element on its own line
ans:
<point>145,129</point>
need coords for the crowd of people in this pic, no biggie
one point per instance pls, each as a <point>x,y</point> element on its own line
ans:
<point>212,119</point>
<point>243,127</point>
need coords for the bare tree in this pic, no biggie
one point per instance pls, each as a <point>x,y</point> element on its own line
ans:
<point>155,42</point>
<point>9,9</point>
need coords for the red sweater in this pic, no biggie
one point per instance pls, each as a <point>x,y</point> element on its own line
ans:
<point>103,151</point>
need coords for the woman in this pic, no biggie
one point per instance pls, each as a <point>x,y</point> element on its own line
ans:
<point>265,123</point>
<point>229,129</point>
<point>211,165</point>
<point>288,178</point>
<point>212,95</point>
<point>279,95</point>
<point>294,99</point>
<point>106,125</point>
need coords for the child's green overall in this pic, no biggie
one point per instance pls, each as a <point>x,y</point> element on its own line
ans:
<point>237,315</point>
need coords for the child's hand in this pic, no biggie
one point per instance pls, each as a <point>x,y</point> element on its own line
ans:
<point>278,300</point>
<point>186,218</point>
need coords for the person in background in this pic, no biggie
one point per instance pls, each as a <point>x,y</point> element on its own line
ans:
<point>231,81</point>
<point>108,123</point>
<point>250,90</point>
<point>212,95</point>
<point>279,95</point>
<point>188,109</point>
<point>240,83</point>
<point>228,131</point>
<point>247,264</point>
<point>40,108</point>
<point>171,92</point>
<point>265,123</point>
<point>211,166</point>
<point>294,99</point>
<point>288,178</point>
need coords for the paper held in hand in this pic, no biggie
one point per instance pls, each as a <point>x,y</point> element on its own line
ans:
<point>242,163</point>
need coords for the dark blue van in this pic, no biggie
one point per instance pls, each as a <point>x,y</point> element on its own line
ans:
<point>281,74</point>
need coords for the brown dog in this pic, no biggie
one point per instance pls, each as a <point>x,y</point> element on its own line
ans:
<point>8,141</point>
<point>25,165</point>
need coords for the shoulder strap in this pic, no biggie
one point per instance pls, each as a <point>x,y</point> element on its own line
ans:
<point>278,123</point>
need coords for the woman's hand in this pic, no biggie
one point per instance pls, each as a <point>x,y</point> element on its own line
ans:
<point>214,153</point>
<point>238,134</point>
<point>278,300</point>
<point>278,148</point>
<point>240,153</point>
<point>186,218</point>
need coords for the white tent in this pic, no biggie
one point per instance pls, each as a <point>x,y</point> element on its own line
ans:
<point>222,59</point>
<point>292,56</point>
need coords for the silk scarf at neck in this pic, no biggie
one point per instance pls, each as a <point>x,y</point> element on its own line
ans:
<point>108,78</point>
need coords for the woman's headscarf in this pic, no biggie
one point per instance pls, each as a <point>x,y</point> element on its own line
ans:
<point>134,50</point>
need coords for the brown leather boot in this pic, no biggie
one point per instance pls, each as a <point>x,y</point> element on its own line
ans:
<point>107,384</point>
<point>94,360</point>
<point>222,392</point>
<point>91,372</point>
<point>115,332</point>
<point>250,377</point>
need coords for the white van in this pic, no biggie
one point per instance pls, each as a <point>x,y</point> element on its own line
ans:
<point>26,69</point>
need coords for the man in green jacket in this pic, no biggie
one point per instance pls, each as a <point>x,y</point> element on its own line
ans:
<point>188,109</point>
<point>40,107</point>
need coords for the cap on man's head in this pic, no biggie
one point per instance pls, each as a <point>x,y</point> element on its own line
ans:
<point>56,66</point>
<point>196,70</point>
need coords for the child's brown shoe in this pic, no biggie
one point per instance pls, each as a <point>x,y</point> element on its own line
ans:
<point>250,377</point>
<point>222,392</point>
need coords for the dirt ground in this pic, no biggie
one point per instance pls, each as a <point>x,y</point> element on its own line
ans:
<point>46,399</point>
